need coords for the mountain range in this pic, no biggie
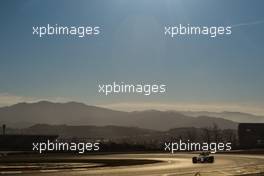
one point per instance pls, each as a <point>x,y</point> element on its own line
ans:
<point>234,116</point>
<point>72,113</point>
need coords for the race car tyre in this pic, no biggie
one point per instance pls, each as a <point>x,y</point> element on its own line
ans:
<point>211,159</point>
<point>194,159</point>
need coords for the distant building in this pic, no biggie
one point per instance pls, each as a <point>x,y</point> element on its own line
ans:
<point>251,135</point>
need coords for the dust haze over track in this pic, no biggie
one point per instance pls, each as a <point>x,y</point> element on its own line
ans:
<point>177,164</point>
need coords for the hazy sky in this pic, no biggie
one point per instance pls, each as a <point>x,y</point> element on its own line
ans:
<point>225,73</point>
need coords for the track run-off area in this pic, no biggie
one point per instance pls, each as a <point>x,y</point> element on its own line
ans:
<point>151,164</point>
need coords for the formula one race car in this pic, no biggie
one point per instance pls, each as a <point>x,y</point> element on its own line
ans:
<point>203,158</point>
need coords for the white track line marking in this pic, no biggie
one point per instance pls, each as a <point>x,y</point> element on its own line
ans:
<point>49,170</point>
<point>80,169</point>
<point>11,172</point>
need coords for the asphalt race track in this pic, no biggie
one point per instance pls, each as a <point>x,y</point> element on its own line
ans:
<point>131,165</point>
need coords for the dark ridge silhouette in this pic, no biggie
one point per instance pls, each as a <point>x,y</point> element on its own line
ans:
<point>74,113</point>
